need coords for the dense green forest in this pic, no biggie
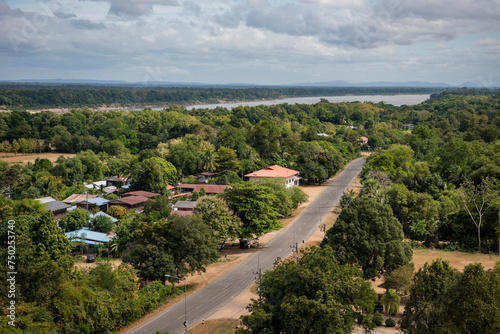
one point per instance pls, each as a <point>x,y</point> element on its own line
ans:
<point>430,163</point>
<point>36,96</point>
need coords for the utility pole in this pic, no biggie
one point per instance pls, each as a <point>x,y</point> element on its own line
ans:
<point>185,322</point>
<point>258,273</point>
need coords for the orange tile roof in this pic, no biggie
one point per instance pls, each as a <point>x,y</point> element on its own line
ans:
<point>274,171</point>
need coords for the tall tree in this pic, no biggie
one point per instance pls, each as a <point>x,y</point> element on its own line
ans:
<point>153,174</point>
<point>216,214</point>
<point>186,238</point>
<point>253,203</point>
<point>443,300</point>
<point>367,234</point>
<point>316,295</point>
<point>227,161</point>
<point>474,199</point>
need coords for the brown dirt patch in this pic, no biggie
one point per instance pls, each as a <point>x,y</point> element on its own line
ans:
<point>216,326</point>
<point>23,159</point>
<point>456,259</point>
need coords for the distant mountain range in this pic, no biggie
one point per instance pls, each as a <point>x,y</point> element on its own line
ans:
<point>337,83</point>
<point>395,84</point>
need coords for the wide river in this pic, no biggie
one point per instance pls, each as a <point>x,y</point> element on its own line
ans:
<point>396,100</point>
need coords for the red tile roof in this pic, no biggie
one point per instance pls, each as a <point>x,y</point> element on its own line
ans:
<point>209,188</point>
<point>274,171</point>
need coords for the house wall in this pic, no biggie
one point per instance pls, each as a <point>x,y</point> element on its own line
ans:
<point>291,181</point>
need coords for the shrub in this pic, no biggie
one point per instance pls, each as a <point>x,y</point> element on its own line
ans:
<point>74,220</point>
<point>117,212</point>
<point>377,319</point>
<point>103,224</point>
<point>390,323</point>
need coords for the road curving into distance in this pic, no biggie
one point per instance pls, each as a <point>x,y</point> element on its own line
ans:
<point>205,302</point>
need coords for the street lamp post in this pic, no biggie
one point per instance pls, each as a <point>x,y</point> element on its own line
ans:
<point>185,301</point>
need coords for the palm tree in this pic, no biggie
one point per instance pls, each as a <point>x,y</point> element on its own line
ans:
<point>113,246</point>
<point>391,300</point>
<point>207,161</point>
<point>371,188</point>
<point>47,187</point>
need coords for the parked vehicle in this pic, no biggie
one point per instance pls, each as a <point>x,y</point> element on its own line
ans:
<point>90,258</point>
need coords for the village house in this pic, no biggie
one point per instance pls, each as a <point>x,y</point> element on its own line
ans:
<point>141,193</point>
<point>130,202</point>
<point>184,208</point>
<point>88,205</point>
<point>58,208</point>
<point>290,176</point>
<point>363,141</point>
<point>117,181</point>
<point>203,177</point>
<point>85,235</point>
<point>210,189</point>
<point>75,198</point>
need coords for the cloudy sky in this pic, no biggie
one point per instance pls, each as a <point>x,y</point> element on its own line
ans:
<point>251,41</point>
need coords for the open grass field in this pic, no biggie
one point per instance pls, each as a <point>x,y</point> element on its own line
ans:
<point>456,259</point>
<point>23,159</point>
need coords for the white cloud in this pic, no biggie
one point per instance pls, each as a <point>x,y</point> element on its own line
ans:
<point>134,8</point>
<point>266,41</point>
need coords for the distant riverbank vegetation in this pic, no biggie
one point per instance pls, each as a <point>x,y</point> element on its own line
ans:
<point>430,164</point>
<point>39,96</point>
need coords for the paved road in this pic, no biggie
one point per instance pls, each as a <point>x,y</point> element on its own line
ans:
<point>205,302</point>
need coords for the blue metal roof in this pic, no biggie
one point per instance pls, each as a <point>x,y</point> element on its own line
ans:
<point>90,237</point>
<point>97,200</point>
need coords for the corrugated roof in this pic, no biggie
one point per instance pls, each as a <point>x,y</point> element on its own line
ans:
<point>109,189</point>
<point>56,206</point>
<point>100,213</point>
<point>96,200</point>
<point>117,178</point>
<point>96,185</point>
<point>44,200</point>
<point>75,198</point>
<point>209,188</point>
<point>141,193</point>
<point>183,194</point>
<point>274,171</point>
<point>87,235</point>
<point>185,204</point>
<point>130,200</point>
<point>206,174</point>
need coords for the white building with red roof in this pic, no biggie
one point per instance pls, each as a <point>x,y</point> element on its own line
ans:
<point>290,176</point>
